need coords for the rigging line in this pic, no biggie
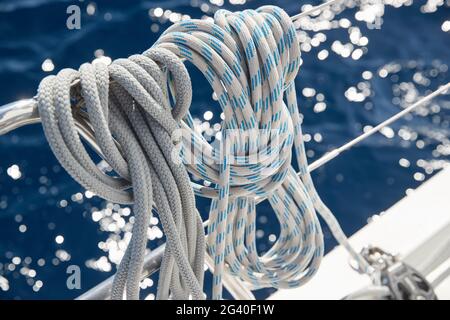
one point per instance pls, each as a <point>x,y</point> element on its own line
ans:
<point>334,153</point>
<point>314,9</point>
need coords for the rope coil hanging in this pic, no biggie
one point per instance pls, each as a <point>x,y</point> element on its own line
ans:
<point>135,110</point>
<point>250,59</point>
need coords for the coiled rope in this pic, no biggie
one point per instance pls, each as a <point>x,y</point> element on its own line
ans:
<point>135,110</point>
<point>250,59</point>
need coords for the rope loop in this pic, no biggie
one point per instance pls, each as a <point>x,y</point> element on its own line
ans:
<point>128,106</point>
<point>250,59</point>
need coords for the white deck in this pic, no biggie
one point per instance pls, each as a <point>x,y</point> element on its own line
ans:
<point>417,228</point>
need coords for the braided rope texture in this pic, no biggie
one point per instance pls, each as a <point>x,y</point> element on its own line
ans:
<point>137,108</point>
<point>128,102</point>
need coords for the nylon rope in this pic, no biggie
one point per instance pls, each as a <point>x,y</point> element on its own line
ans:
<point>135,111</point>
<point>251,60</point>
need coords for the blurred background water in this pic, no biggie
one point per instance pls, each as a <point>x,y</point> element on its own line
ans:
<point>362,62</point>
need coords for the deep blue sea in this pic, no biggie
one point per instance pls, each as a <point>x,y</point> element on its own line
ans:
<point>355,74</point>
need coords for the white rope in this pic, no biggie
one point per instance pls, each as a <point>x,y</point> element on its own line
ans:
<point>250,59</point>
<point>314,9</point>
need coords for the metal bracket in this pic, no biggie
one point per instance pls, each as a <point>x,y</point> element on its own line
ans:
<point>403,281</point>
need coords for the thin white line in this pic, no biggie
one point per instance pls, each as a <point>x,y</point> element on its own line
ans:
<point>334,153</point>
<point>314,9</point>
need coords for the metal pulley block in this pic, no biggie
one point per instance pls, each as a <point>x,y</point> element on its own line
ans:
<point>403,281</point>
